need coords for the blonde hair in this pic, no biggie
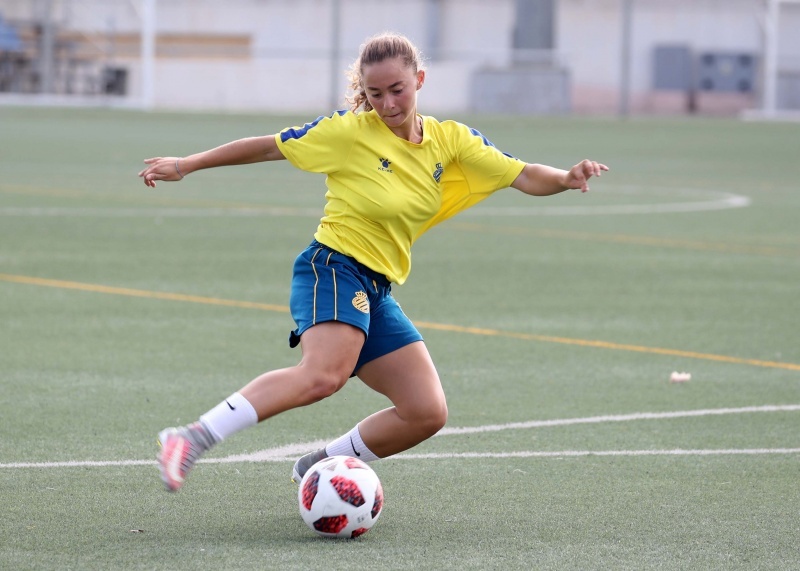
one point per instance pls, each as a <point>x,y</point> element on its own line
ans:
<point>377,49</point>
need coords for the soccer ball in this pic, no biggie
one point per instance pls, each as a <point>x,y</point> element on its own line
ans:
<point>340,496</point>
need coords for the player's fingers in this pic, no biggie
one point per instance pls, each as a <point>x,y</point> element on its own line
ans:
<point>581,180</point>
<point>151,178</point>
<point>593,168</point>
<point>149,162</point>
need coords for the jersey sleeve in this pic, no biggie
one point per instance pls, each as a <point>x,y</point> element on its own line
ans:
<point>485,167</point>
<point>478,169</point>
<point>321,146</point>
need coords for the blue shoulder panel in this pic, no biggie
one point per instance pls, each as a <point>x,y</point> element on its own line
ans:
<point>487,142</point>
<point>297,133</point>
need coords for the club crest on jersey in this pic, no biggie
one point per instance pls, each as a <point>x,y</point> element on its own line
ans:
<point>385,165</point>
<point>437,174</point>
<point>360,302</point>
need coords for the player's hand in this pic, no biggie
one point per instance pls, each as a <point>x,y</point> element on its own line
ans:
<point>161,168</point>
<point>579,175</point>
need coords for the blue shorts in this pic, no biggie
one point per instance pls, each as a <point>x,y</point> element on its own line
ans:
<point>329,286</point>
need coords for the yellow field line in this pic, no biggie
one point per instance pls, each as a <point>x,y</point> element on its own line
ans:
<point>142,293</point>
<point>608,345</point>
<point>421,324</point>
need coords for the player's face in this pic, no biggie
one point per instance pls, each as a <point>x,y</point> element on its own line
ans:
<point>391,89</point>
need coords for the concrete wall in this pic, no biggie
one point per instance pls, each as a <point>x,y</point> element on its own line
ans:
<point>594,51</point>
<point>289,64</point>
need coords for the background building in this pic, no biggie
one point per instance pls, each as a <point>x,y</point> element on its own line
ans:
<point>503,56</point>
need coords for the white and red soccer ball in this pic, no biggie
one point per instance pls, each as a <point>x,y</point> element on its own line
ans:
<point>340,497</point>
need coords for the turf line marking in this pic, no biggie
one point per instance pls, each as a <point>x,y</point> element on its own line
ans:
<point>432,456</point>
<point>133,212</point>
<point>720,201</point>
<point>692,245</point>
<point>291,451</point>
<point>298,449</point>
<point>80,464</point>
<point>717,200</point>
<point>183,208</point>
<point>140,203</point>
<point>616,418</point>
<point>579,453</point>
<point>607,345</point>
<point>96,288</point>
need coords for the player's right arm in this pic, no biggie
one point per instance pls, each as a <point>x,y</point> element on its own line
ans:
<point>239,152</point>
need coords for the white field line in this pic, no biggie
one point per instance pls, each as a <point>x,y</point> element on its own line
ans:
<point>616,418</point>
<point>117,212</point>
<point>578,453</point>
<point>719,200</point>
<point>290,452</point>
<point>258,458</point>
<point>600,210</point>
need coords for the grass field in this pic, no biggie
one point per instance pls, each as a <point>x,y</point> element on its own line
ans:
<point>555,324</point>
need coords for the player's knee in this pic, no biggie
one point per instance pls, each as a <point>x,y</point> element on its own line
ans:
<point>431,418</point>
<point>438,418</point>
<point>322,384</point>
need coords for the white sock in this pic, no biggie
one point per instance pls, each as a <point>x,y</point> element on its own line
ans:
<point>351,444</point>
<point>229,417</point>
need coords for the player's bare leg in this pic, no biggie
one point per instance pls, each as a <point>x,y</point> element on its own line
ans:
<point>330,352</point>
<point>409,379</point>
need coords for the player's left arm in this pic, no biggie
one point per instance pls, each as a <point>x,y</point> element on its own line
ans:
<point>543,180</point>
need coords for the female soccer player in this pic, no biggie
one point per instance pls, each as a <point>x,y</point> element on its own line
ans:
<point>391,175</point>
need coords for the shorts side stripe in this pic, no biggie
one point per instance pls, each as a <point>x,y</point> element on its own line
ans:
<point>335,297</point>
<point>316,282</point>
<point>335,290</point>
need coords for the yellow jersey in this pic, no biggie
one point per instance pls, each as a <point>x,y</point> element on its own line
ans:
<point>384,192</point>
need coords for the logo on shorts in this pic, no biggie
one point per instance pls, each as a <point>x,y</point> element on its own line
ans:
<point>360,302</point>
